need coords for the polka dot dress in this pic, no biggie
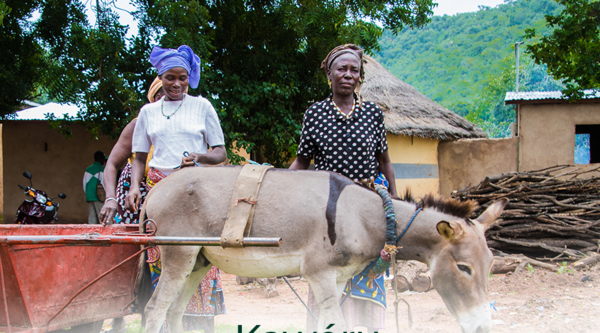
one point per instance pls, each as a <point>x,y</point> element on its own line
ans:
<point>347,146</point>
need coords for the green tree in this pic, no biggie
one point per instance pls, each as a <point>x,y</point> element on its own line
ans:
<point>96,68</point>
<point>4,10</point>
<point>22,57</point>
<point>572,50</point>
<point>261,57</point>
<point>451,59</point>
<point>488,111</point>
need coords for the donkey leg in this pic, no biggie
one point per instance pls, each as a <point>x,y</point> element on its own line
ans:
<point>177,264</point>
<point>175,313</point>
<point>327,291</point>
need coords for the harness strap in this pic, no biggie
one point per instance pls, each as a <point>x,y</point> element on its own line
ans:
<point>241,207</point>
<point>409,223</point>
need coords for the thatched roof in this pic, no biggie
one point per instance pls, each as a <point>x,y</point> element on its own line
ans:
<point>408,112</point>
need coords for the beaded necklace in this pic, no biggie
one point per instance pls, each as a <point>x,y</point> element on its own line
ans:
<point>169,116</point>
<point>346,116</point>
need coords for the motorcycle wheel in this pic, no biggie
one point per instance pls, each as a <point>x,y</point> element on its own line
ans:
<point>22,218</point>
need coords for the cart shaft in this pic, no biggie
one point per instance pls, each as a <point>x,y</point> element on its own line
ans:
<point>107,240</point>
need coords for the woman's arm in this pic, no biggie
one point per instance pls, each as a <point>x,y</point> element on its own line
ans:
<point>301,163</point>
<point>217,155</point>
<point>132,202</point>
<point>118,156</point>
<point>385,167</point>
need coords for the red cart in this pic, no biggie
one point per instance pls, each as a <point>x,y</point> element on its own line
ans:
<point>58,276</point>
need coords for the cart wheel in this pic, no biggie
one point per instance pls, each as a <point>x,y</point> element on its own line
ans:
<point>94,327</point>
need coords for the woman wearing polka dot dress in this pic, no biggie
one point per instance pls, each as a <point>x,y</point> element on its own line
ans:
<point>345,134</point>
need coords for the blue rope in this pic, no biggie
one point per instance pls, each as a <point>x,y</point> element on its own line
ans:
<point>409,223</point>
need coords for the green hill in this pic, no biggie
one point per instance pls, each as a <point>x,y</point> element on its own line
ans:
<point>454,57</point>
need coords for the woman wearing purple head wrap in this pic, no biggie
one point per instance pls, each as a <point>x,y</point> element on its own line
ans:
<point>183,57</point>
<point>175,125</point>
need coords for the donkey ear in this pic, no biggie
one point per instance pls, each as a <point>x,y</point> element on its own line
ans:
<point>492,213</point>
<point>450,230</point>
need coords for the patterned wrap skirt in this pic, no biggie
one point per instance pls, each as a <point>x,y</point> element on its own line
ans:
<point>123,186</point>
<point>208,299</point>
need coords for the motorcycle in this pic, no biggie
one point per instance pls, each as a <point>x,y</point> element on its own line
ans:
<point>37,208</point>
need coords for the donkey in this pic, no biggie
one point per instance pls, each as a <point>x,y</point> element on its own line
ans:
<point>331,229</point>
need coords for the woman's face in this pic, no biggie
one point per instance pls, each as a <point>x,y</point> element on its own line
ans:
<point>159,94</point>
<point>344,74</point>
<point>175,82</point>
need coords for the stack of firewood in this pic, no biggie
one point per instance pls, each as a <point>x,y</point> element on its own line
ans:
<point>552,213</point>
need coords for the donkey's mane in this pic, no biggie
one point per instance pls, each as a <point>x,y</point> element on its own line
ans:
<point>461,209</point>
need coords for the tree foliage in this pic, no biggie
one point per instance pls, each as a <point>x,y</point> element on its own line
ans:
<point>488,110</point>
<point>101,71</point>
<point>261,57</point>
<point>22,58</point>
<point>572,49</point>
<point>453,58</point>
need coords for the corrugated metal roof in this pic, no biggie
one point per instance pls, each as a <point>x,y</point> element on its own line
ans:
<point>40,112</point>
<point>543,95</point>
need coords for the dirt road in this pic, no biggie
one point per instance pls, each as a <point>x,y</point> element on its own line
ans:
<point>538,301</point>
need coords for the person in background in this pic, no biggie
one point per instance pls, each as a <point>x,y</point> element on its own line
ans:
<point>91,179</point>
<point>345,134</point>
<point>113,210</point>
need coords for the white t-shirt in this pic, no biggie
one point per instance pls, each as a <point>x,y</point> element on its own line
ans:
<point>191,128</point>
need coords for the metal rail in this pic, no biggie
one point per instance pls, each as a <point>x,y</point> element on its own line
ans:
<point>107,240</point>
<point>91,283</point>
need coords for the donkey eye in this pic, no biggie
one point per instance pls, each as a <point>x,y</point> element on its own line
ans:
<point>464,268</point>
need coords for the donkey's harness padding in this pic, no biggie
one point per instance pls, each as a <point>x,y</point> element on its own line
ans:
<point>241,207</point>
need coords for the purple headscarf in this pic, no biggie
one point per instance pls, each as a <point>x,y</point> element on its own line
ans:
<point>165,59</point>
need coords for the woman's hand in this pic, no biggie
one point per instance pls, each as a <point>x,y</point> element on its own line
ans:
<point>189,161</point>
<point>133,199</point>
<point>118,156</point>
<point>216,155</point>
<point>108,212</point>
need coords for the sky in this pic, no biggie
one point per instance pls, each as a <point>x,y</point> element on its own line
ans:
<point>451,7</point>
<point>445,7</point>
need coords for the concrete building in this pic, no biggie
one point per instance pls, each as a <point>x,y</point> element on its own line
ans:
<point>545,130</point>
<point>547,125</point>
<point>415,126</point>
<point>56,162</point>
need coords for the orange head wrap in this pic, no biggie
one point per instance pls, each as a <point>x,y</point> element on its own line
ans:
<point>155,86</point>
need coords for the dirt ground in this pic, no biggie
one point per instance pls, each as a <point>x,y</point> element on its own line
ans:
<point>538,301</point>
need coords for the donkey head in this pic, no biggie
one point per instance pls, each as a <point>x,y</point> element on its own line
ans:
<point>460,268</point>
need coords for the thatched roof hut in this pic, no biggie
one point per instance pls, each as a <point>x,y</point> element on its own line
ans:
<point>408,112</point>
